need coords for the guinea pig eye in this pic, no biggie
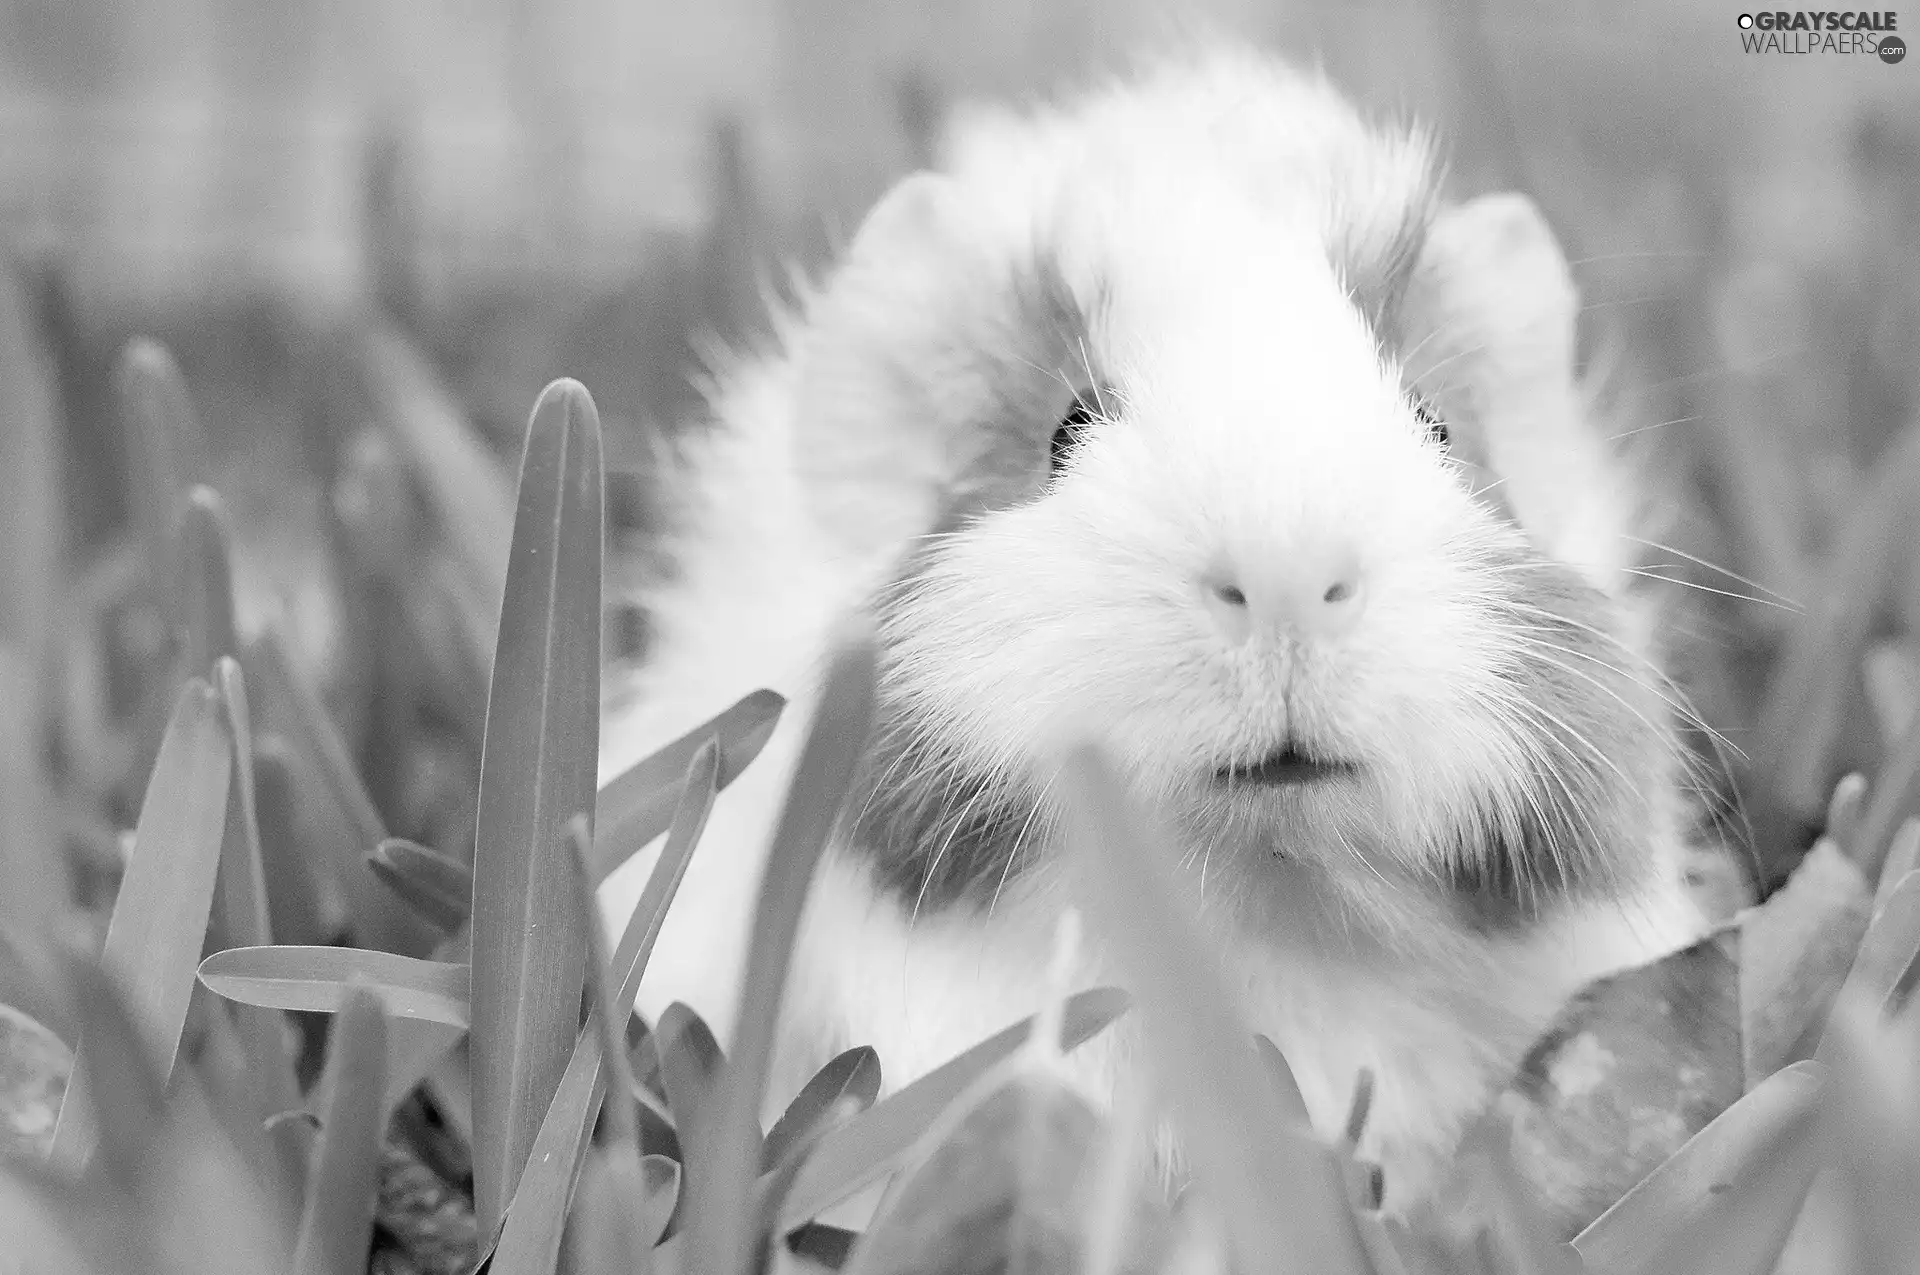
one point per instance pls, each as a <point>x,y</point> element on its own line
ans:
<point>1072,428</point>
<point>1436,428</point>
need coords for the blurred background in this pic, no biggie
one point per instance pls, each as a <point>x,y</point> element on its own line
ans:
<point>595,188</point>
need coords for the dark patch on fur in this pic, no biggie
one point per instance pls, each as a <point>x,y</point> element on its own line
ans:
<point>1582,807</point>
<point>938,834</point>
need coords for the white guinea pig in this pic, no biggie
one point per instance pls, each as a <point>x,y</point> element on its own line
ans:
<point>1282,479</point>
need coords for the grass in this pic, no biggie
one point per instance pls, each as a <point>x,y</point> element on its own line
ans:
<point>343,996</point>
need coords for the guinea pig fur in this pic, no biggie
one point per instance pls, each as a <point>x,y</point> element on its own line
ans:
<point>1283,483</point>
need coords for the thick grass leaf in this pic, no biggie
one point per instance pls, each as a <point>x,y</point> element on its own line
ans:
<point>1725,1202</point>
<point>853,1075</point>
<point>1632,1066</point>
<point>538,769</point>
<point>690,1063</point>
<point>160,917</point>
<point>1874,1124</point>
<point>272,1074</point>
<point>1795,951</point>
<point>1902,859</point>
<point>379,920</point>
<point>1236,1129</point>
<point>303,902</point>
<point>605,1232</point>
<point>205,600</point>
<point>129,1092</point>
<point>530,1240</point>
<point>163,436</point>
<point>31,545</point>
<point>469,494</point>
<point>636,807</point>
<point>436,886</point>
<point>1004,1190</point>
<point>1893,799</point>
<point>1805,716</point>
<point>317,979</point>
<point>874,1144</point>
<point>338,1224</point>
<point>1883,966</point>
<point>621,1102</point>
<point>730,1133</point>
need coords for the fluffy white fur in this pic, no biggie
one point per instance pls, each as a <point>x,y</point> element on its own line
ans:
<point>1189,210</point>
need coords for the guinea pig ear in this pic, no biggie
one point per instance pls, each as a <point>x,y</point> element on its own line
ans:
<point>1489,318</point>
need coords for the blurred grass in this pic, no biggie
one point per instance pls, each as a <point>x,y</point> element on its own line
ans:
<point>304,459</point>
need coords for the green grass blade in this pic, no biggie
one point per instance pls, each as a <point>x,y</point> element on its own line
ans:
<point>379,919</point>
<point>1726,1200</point>
<point>1882,967</point>
<point>853,1076</point>
<point>623,1119</point>
<point>638,805</point>
<point>1238,1134</point>
<point>537,770</point>
<point>272,1071</point>
<point>722,1216</point>
<point>337,1227</point>
<point>127,1092</point>
<point>301,904</point>
<point>438,887</point>
<point>470,496</point>
<point>872,1145</point>
<point>317,979</point>
<point>1893,798</point>
<point>32,522</point>
<point>205,599</point>
<point>606,1232</point>
<point>529,1244</point>
<point>160,917</point>
<point>163,437</point>
<point>1804,717</point>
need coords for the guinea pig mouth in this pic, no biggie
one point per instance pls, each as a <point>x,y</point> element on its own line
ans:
<point>1284,767</point>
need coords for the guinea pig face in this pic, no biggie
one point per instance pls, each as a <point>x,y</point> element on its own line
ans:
<point>1217,526</point>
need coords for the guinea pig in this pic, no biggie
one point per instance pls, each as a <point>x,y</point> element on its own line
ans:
<point>1279,477</point>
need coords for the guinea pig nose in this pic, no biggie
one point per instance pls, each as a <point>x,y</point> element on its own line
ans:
<point>1314,593</point>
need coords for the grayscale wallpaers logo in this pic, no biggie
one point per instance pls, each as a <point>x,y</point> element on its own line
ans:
<point>1800,32</point>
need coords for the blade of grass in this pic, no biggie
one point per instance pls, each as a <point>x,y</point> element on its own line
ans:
<point>878,1142</point>
<point>690,1063</point>
<point>272,1071</point>
<point>318,979</point>
<point>32,533</point>
<point>1726,1200</point>
<point>128,1095</point>
<point>160,917</point>
<point>537,770</point>
<point>530,1241</point>
<point>636,806</point>
<point>166,447</point>
<point>852,1076</point>
<point>338,1225</point>
<point>1810,690</point>
<point>163,437</point>
<point>436,886</point>
<point>205,601</point>
<point>296,907</point>
<point>1237,1132</point>
<point>381,920</point>
<point>1887,954</point>
<point>605,1230</point>
<point>621,1106</point>
<point>730,1132</point>
<point>1894,797</point>
<point>470,495</point>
